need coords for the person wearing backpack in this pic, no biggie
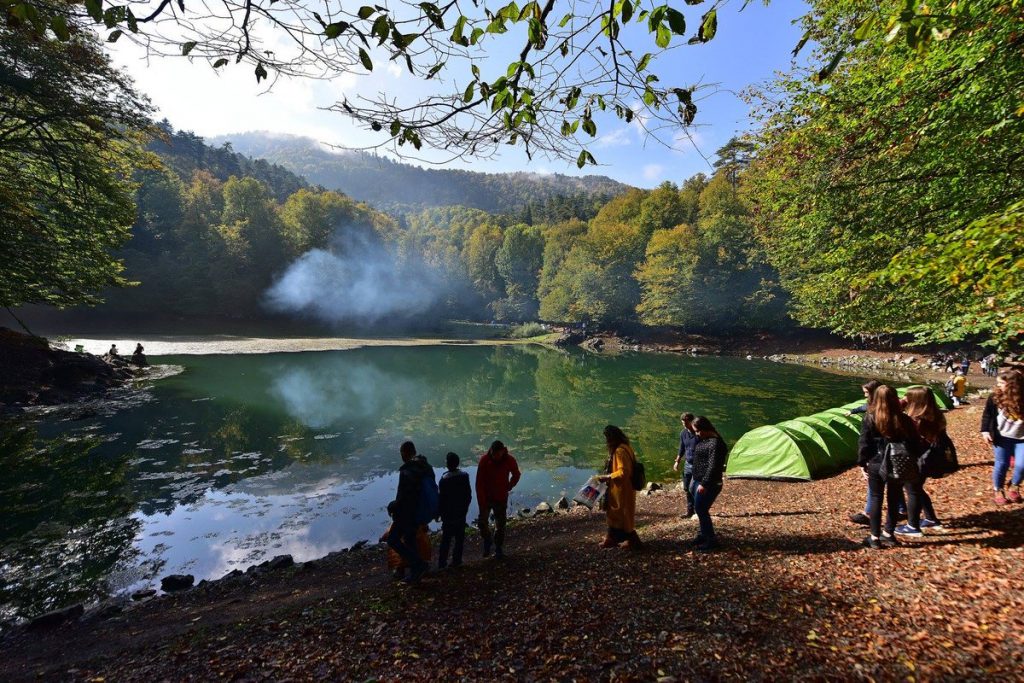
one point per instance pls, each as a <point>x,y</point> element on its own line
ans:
<point>888,451</point>
<point>620,499</point>
<point>496,475</point>
<point>924,410</point>
<point>455,497</point>
<point>709,460</point>
<point>407,511</point>
<point>1002,427</point>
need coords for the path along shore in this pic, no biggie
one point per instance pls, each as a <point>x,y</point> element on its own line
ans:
<point>791,594</point>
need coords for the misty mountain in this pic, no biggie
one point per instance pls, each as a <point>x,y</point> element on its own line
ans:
<point>396,186</point>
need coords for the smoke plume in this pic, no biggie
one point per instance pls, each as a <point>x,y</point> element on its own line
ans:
<point>357,280</point>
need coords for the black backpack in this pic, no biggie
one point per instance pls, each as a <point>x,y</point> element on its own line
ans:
<point>639,475</point>
<point>898,464</point>
<point>939,459</point>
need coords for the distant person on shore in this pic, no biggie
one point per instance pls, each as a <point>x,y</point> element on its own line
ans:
<point>405,509</point>
<point>709,459</point>
<point>886,428</point>
<point>924,410</point>
<point>454,499</point>
<point>965,365</point>
<point>139,356</point>
<point>113,351</point>
<point>1002,427</point>
<point>956,387</point>
<point>687,442</point>
<point>496,475</point>
<point>620,500</point>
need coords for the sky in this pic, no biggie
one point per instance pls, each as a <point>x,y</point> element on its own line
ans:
<point>749,47</point>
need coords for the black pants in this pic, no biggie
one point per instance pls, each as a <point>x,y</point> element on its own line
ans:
<point>500,516</point>
<point>451,530</point>
<point>927,509</point>
<point>891,490</point>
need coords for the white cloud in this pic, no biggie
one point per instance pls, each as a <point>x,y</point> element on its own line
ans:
<point>394,69</point>
<point>653,171</point>
<point>616,138</point>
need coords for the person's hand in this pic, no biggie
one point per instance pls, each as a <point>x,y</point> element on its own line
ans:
<point>700,488</point>
<point>864,472</point>
<point>675,465</point>
<point>988,437</point>
<point>604,478</point>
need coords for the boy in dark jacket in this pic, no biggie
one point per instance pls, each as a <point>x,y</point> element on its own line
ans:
<point>455,496</point>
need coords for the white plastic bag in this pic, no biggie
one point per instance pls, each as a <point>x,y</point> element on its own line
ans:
<point>591,493</point>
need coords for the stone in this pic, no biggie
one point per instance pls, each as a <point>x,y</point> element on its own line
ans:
<point>359,545</point>
<point>177,582</point>
<point>563,503</point>
<point>233,574</point>
<point>280,562</point>
<point>56,617</point>
<point>526,512</point>
<point>143,594</point>
<point>543,509</point>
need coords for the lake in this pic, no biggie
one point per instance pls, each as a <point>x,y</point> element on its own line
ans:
<point>242,457</point>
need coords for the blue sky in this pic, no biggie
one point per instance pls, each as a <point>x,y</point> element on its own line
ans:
<point>750,46</point>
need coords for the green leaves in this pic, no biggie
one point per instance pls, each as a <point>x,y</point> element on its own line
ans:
<point>365,59</point>
<point>708,26</point>
<point>467,97</point>
<point>186,48</point>
<point>332,31</point>
<point>676,21</point>
<point>261,72</point>
<point>585,158</point>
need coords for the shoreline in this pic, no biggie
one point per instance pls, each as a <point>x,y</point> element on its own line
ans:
<point>791,593</point>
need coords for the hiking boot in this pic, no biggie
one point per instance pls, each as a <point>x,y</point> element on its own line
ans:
<point>999,498</point>
<point>872,542</point>
<point>860,518</point>
<point>487,547</point>
<point>888,541</point>
<point>907,530</point>
<point>1013,496</point>
<point>931,525</point>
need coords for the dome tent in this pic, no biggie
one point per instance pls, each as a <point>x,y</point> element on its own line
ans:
<point>803,448</point>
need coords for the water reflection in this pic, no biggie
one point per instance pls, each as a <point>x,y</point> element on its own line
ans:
<point>240,458</point>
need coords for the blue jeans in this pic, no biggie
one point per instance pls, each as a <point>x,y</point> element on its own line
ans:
<point>451,530</point>
<point>402,540</point>
<point>687,481</point>
<point>702,503</point>
<point>1004,447</point>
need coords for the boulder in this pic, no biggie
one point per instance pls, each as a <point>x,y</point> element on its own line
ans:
<point>593,344</point>
<point>143,594</point>
<point>563,503</point>
<point>177,582</point>
<point>543,509</point>
<point>56,617</point>
<point>570,338</point>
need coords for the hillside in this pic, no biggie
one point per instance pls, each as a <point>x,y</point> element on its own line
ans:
<point>391,185</point>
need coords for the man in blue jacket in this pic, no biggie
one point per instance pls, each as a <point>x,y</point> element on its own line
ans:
<point>403,509</point>
<point>687,442</point>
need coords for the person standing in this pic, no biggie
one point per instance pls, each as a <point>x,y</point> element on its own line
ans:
<point>496,475</point>
<point>957,388</point>
<point>687,442</point>
<point>885,424</point>
<point>403,509</point>
<point>620,499</point>
<point>924,410</point>
<point>1002,427</point>
<point>455,497</point>
<point>709,459</point>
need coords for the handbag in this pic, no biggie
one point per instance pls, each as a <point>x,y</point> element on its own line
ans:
<point>898,464</point>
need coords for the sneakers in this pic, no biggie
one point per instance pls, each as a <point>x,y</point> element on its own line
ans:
<point>860,518</point>
<point>999,498</point>
<point>873,543</point>
<point>931,524</point>
<point>907,530</point>
<point>1013,496</point>
<point>888,541</point>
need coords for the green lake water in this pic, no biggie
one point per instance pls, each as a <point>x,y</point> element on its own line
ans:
<point>243,457</point>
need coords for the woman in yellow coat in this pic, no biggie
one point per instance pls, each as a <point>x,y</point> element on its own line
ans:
<point>620,500</point>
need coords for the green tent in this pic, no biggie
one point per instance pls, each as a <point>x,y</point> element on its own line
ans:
<point>803,448</point>
<point>944,401</point>
<point>771,452</point>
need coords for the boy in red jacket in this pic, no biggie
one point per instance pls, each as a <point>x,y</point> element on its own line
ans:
<point>496,475</point>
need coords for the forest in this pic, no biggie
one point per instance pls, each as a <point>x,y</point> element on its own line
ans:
<point>879,193</point>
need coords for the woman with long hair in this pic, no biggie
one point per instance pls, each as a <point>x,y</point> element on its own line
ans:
<point>709,458</point>
<point>885,424</point>
<point>1002,426</point>
<point>620,500</point>
<point>924,410</point>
